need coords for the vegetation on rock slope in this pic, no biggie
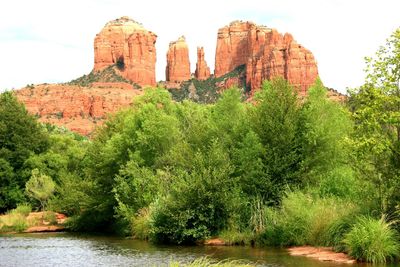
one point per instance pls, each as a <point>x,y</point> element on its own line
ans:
<point>107,75</point>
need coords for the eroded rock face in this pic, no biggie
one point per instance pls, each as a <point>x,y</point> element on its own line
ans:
<point>130,46</point>
<point>202,70</point>
<point>178,65</point>
<point>266,54</point>
<point>79,109</point>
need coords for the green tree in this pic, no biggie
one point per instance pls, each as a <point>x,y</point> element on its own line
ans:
<point>40,187</point>
<point>20,137</point>
<point>326,126</point>
<point>276,120</point>
<point>376,111</point>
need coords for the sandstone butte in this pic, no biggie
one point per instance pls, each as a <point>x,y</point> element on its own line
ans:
<point>202,70</point>
<point>129,45</point>
<point>178,65</point>
<point>266,54</point>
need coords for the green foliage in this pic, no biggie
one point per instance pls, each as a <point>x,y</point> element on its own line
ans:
<point>40,187</point>
<point>13,222</point>
<point>304,220</point>
<point>141,224</point>
<point>326,128</point>
<point>20,137</point>
<point>208,91</point>
<point>236,238</point>
<point>23,209</point>
<point>135,188</point>
<point>50,217</point>
<point>200,200</point>
<point>376,142</point>
<point>109,74</point>
<point>372,240</point>
<point>275,119</point>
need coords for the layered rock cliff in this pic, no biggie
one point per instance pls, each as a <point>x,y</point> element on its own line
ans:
<point>178,65</point>
<point>127,44</point>
<point>79,109</point>
<point>266,54</point>
<point>202,70</point>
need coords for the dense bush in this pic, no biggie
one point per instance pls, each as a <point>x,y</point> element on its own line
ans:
<point>372,240</point>
<point>304,219</point>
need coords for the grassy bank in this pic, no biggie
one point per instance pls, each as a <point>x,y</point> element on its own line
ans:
<point>22,219</point>
<point>206,262</point>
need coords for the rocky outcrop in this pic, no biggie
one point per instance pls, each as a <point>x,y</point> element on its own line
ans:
<point>266,54</point>
<point>232,47</point>
<point>178,65</point>
<point>79,109</point>
<point>202,70</point>
<point>130,46</point>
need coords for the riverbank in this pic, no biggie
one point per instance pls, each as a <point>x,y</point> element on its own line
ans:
<point>32,222</point>
<point>321,253</point>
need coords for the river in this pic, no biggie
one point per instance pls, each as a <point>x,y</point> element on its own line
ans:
<point>65,249</point>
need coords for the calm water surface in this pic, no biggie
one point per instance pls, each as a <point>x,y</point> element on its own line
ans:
<point>64,249</point>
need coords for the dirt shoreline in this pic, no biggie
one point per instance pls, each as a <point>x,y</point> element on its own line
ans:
<point>321,253</point>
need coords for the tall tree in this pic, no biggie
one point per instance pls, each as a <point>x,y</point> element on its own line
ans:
<point>276,120</point>
<point>376,110</point>
<point>20,136</point>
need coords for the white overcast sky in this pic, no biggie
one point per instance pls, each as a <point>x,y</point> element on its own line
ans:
<point>52,41</point>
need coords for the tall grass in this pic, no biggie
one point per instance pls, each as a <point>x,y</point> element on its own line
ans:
<point>372,240</point>
<point>237,238</point>
<point>304,219</point>
<point>13,222</point>
<point>140,224</point>
<point>206,262</point>
<point>23,209</point>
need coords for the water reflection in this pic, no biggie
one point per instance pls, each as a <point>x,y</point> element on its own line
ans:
<point>63,249</point>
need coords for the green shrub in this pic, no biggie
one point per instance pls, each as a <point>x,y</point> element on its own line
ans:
<point>372,240</point>
<point>304,220</point>
<point>236,238</point>
<point>13,222</point>
<point>23,209</point>
<point>337,230</point>
<point>50,217</point>
<point>201,201</point>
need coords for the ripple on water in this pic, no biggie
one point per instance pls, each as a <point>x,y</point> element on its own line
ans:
<point>63,249</point>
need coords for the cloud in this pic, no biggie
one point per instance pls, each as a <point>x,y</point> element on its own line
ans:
<point>52,41</point>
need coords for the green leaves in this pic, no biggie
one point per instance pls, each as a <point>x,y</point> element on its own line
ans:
<point>376,112</point>
<point>20,137</point>
<point>40,187</point>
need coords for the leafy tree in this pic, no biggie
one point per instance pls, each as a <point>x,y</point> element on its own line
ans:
<point>326,127</point>
<point>20,136</point>
<point>376,111</point>
<point>276,120</point>
<point>40,187</point>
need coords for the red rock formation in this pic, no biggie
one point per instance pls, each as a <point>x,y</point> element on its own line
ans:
<point>77,108</point>
<point>266,54</point>
<point>129,45</point>
<point>202,70</point>
<point>232,47</point>
<point>178,65</point>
